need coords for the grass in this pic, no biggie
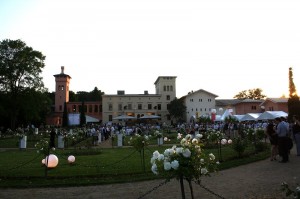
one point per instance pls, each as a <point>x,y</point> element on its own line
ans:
<point>23,168</point>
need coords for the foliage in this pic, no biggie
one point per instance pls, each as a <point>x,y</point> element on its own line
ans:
<point>177,109</point>
<point>82,115</point>
<point>231,119</point>
<point>289,192</point>
<point>65,121</point>
<point>20,69</point>
<point>94,95</point>
<point>104,168</point>
<point>188,160</point>
<point>139,141</point>
<point>203,119</point>
<point>293,101</point>
<point>157,134</point>
<point>42,146</point>
<point>214,136</point>
<point>292,87</point>
<point>255,94</point>
<point>239,145</point>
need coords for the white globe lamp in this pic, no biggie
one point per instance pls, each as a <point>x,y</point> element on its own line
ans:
<point>51,161</point>
<point>71,159</point>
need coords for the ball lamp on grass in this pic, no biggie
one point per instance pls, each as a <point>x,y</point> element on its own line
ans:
<point>71,159</point>
<point>51,161</point>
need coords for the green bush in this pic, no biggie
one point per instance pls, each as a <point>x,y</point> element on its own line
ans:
<point>239,145</point>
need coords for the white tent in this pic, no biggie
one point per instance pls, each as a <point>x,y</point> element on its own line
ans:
<point>150,117</point>
<point>271,115</point>
<point>227,113</point>
<point>218,118</point>
<point>90,119</point>
<point>250,117</point>
<point>238,117</point>
<point>124,117</point>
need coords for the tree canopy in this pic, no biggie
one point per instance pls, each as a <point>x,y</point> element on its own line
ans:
<point>255,93</point>
<point>293,101</point>
<point>177,109</point>
<point>20,69</point>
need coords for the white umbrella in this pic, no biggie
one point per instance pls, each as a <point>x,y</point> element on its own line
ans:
<point>124,117</point>
<point>150,117</point>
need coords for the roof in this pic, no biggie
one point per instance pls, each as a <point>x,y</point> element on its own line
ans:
<point>276,100</point>
<point>62,75</point>
<point>251,101</point>
<point>225,102</point>
<point>163,77</point>
<point>198,91</point>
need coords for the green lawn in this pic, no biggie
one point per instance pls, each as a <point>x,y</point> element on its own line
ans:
<point>23,168</point>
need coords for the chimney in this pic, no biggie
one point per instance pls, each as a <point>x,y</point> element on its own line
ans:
<point>62,69</point>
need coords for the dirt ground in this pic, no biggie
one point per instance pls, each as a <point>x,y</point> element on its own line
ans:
<point>259,180</point>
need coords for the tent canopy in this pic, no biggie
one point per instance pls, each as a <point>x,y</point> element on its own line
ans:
<point>124,117</point>
<point>271,115</point>
<point>250,117</point>
<point>150,117</point>
<point>90,119</point>
<point>238,117</point>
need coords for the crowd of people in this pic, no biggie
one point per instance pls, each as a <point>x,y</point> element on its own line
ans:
<point>281,135</point>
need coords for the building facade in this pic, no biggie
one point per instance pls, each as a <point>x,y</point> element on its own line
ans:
<point>138,105</point>
<point>199,103</point>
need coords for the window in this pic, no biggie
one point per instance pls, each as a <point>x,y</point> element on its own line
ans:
<point>168,88</point>
<point>110,107</point>
<point>253,107</point>
<point>74,108</point>
<point>60,88</point>
<point>100,108</point>
<point>200,100</point>
<point>140,106</point>
<point>149,106</point>
<point>119,107</point>
<point>171,88</point>
<point>129,106</point>
<point>209,100</point>
<point>110,118</point>
<point>90,108</point>
<point>96,108</point>
<point>165,88</point>
<point>168,97</point>
<point>158,106</point>
<point>168,106</point>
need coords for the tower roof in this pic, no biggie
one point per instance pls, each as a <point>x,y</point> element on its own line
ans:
<point>62,74</point>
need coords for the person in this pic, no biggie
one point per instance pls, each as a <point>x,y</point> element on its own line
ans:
<point>296,133</point>
<point>282,132</point>
<point>273,137</point>
<point>52,139</point>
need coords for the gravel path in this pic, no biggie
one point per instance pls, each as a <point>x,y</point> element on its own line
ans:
<point>259,180</point>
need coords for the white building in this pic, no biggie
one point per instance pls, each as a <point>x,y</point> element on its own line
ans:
<point>138,105</point>
<point>199,103</point>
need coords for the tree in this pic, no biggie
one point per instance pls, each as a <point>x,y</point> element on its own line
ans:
<point>177,109</point>
<point>20,68</point>
<point>293,101</point>
<point>255,94</point>
<point>82,115</point>
<point>65,122</point>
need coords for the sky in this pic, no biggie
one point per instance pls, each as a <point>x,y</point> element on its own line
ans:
<point>221,46</point>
